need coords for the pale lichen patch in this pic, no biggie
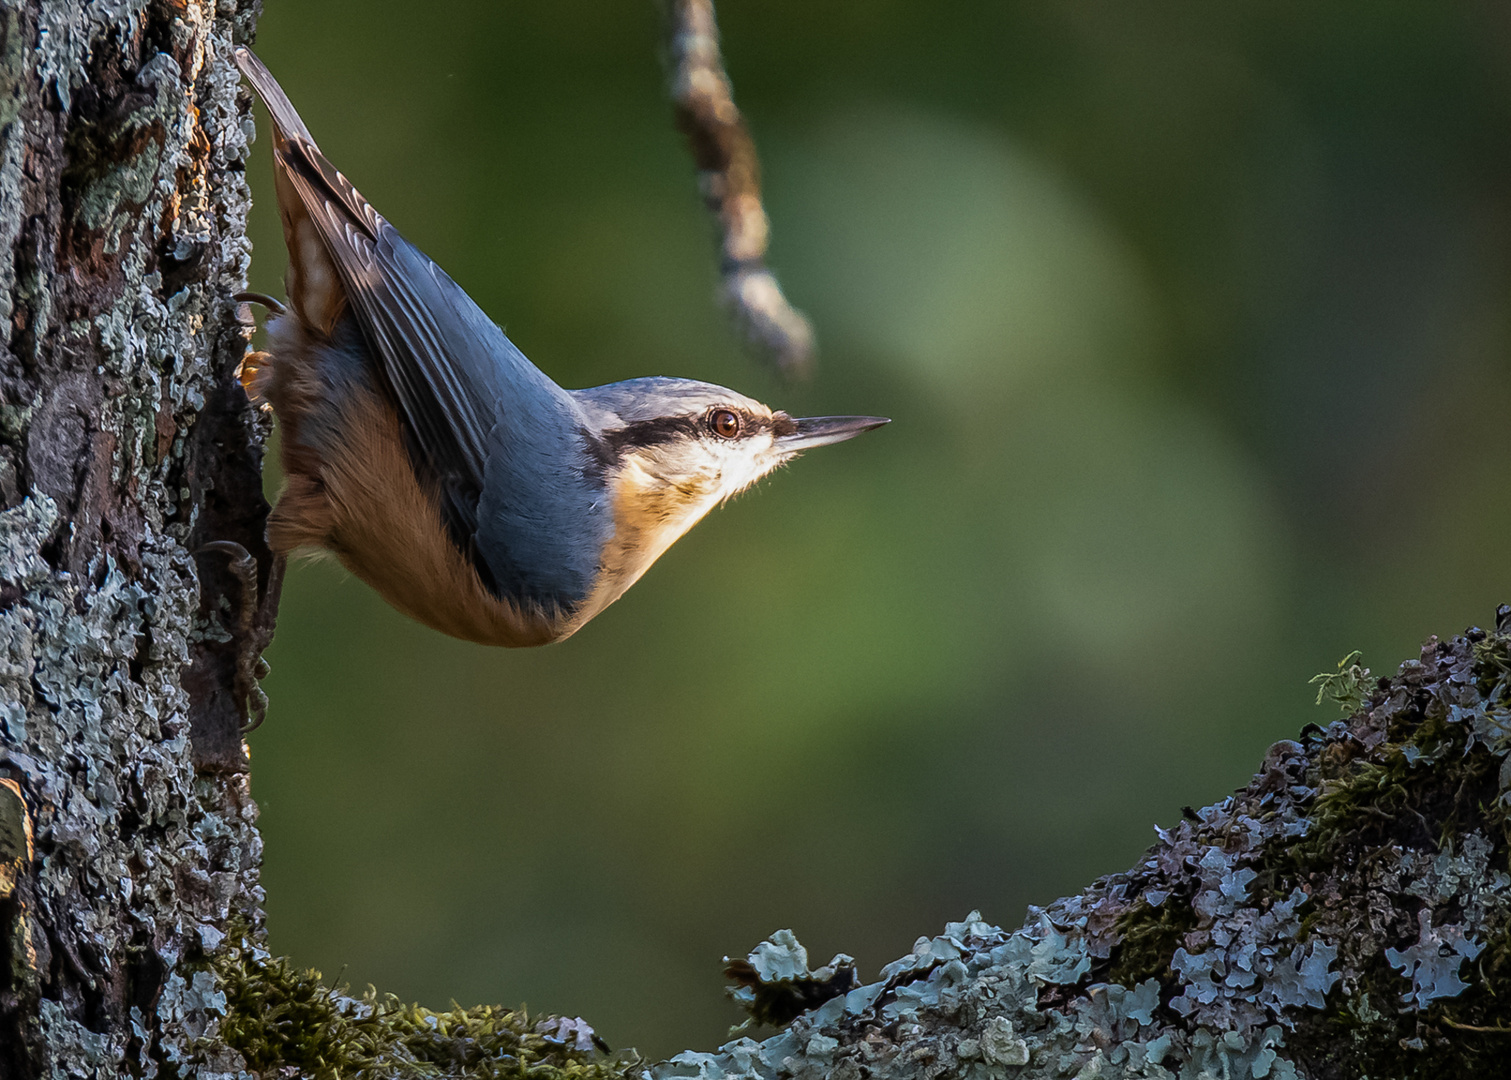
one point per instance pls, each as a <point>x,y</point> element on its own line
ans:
<point>123,334</point>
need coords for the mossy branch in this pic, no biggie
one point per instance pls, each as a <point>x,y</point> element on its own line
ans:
<point>1346,914</point>
<point>280,1018</point>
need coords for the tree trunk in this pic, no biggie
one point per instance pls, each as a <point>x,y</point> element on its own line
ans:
<point>1347,914</point>
<point>125,445</point>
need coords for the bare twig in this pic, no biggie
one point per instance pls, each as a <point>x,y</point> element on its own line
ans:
<point>1496,1030</point>
<point>730,178</point>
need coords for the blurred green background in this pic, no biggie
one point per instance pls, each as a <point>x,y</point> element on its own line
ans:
<point>1195,322</point>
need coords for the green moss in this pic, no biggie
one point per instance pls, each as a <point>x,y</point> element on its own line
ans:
<point>279,1017</point>
<point>1348,687</point>
<point>1463,1037</point>
<point>1148,937</point>
<point>1421,767</point>
<point>1390,796</point>
<point>12,65</point>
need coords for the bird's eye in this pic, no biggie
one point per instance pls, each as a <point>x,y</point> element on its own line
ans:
<point>724,423</point>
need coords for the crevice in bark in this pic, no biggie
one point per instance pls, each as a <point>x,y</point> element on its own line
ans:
<point>1347,913</point>
<point>122,211</point>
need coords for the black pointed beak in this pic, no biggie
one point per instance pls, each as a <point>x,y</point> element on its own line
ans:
<point>811,431</point>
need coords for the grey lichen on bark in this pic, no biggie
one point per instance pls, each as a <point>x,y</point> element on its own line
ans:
<point>1345,915</point>
<point>125,444</point>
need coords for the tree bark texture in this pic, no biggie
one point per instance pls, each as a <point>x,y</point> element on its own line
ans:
<point>128,845</point>
<point>1347,914</point>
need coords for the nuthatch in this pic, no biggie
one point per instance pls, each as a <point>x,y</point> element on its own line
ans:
<point>441,466</point>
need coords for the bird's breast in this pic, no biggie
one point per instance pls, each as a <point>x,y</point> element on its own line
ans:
<point>648,514</point>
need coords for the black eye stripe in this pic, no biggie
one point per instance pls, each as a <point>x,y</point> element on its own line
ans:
<point>664,429</point>
<point>653,432</point>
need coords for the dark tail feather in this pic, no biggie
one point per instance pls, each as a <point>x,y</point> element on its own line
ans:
<point>285,117</point>
<point>313,279</point>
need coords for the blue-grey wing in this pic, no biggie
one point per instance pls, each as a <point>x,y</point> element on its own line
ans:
<point>440,353</point>
<point>495,434</point>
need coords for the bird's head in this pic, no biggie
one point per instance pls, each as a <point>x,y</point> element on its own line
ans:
<point>694,444</point>
<point>673,449</point>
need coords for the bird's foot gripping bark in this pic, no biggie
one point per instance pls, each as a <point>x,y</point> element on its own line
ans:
<point>256,615</point>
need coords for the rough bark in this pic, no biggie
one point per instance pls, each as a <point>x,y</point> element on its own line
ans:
<point>125,444</point>
<point>1346,914</point>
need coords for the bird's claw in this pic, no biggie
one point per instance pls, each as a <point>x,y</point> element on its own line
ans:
<point>262,300</point>
<point>254,626</point>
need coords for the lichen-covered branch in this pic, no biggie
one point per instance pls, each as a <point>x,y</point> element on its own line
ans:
<point>1346,915</point>
<point>729,176</point>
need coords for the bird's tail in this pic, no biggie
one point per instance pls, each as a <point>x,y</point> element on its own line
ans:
<point>285,116</point>
<point>313,280</point>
